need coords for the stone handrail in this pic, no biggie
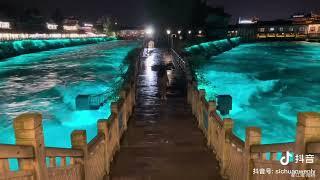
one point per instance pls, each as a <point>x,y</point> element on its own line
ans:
<point>264,148</point>
<point>15,151</point>
<point>238,158</point>
<point>89,161</point>
<point>313,148</point>
<point>63,152</point>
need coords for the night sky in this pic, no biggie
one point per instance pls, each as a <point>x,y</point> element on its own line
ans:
<point>133,11</point>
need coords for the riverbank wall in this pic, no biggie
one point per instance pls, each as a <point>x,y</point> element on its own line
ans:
<point>14,48</point>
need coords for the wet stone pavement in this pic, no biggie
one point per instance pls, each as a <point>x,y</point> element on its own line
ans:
<point>162,140</point>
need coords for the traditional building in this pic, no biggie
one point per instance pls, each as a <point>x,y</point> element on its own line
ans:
<point>298,27</point>
<point>131,33</point>
<point>71,25</point>
<point>281,29</point>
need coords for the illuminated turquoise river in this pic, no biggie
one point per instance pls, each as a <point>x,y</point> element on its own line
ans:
<point>269,83</point>
<point>49,81</point>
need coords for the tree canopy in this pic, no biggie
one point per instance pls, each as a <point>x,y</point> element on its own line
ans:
<point>176,12</point>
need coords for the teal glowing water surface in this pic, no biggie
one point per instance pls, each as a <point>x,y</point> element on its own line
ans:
<point>269,83</point>
<point>48,82</point>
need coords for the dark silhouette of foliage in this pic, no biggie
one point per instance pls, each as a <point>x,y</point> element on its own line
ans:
<point>176,13</point>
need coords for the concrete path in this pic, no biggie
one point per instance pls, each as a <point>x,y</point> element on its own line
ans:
<point>163,141</point>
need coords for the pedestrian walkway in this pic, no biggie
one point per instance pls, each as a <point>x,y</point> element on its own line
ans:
<point>163,141</point>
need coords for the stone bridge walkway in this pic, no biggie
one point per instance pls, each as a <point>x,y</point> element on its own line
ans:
<point>163,141</point>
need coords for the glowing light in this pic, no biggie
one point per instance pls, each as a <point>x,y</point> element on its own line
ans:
<point>179,32</point>
<point>51,26</point>
<point>298,16</point>
<point>189,32</point>
<point>168,31</point>
<point>13,36</point>
<point>149,31</point>
<point>4,25</point>
<point>247,21</point>
<point>87,25</point>
<point>70,28</point>
<point>200,32</point>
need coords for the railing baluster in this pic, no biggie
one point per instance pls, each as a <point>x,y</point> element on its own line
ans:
<point>4,165</point>
<point>63,162</point>
<point>273,156</point>
<point>52,162</point>
<point>264,156</point>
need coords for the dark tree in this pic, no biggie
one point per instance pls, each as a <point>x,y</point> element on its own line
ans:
<point>176,13</point>
<point>8,10</point>
<point>57,16</point>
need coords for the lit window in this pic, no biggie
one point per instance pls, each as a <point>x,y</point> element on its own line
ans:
<point>312,29</point>
<point>291,29</point>
<point>4,25</point>
<point>261,29</point>
<point>281,29</point>
<point>272,29</point>
<point>70,28</point>
<point>52,26</point>
<point>301,28</point>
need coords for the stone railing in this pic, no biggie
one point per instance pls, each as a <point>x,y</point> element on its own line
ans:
<point>89,161</point>
<point>238,159</point>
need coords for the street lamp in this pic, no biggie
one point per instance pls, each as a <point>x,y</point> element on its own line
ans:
<point>149,31</point>
<point>179,32</point>
<point>200,32</point>
<point>189,32</point>
<point>168,33</point>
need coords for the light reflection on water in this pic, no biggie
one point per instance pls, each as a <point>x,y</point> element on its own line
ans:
<point>269,82</point>
<point>48,82</point>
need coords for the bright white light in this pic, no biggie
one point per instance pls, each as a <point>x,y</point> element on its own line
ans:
<point>70,28</point>
<point>11,36</point>
<point>168,31</point>
<point>4,25</point>
<point>88,25</point>
<point>189,32</point>
<point>51,26</point>
<point>247,21</point>
<point>116,23</point>
<point>179,32</point>
<point>149,31</point>
<point>200,32</point>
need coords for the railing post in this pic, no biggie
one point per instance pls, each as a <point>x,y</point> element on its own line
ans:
<point>28,131</point>
<point>253,136</point>
<point>189,93</point>
<point>224,156</point>
<point>79,141</point>
<point>200,108</point>
<point>115,110</point>
<point>125,109</point>
<point>211,109</point>
<point>308,130</point>
<point>103,129</point>
<point>194,97</point>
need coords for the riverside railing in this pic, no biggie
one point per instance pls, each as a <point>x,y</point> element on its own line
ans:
<point>23,36</point>
<point>88,160</point>
<point>249,159</point>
